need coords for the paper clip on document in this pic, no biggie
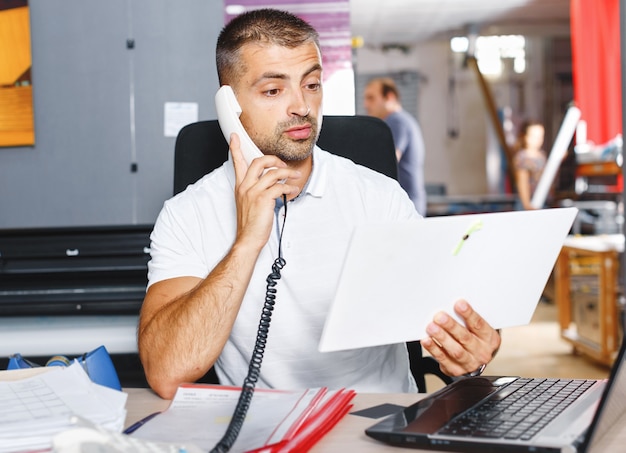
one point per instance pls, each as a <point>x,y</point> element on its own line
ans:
<point>474,226</point>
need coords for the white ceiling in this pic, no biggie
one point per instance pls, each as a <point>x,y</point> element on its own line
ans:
<point>381,22</point>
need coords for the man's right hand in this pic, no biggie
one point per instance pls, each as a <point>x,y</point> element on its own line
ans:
<point>256,192</point>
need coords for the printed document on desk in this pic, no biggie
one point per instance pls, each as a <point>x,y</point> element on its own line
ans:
<point>34,409</point>
<point>199,414</point>
<point>397,276</point>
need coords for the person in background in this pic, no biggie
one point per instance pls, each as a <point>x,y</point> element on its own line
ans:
<point>214,244</point>
<point>382,100</point>
<point>529,161</point>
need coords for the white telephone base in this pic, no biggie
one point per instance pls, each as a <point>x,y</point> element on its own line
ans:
<point>89,438</point>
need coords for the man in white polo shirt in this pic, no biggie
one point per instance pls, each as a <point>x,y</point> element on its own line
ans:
<point>214,244</point>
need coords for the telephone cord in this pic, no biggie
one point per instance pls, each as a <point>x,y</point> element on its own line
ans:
<point>254,368</point>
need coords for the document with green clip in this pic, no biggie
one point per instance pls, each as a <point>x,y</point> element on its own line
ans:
<point>396,277</point>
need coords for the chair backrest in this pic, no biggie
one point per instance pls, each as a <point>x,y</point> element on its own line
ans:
<point>201,147</point>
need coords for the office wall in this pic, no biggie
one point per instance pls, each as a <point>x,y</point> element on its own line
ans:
<point>86,83</point>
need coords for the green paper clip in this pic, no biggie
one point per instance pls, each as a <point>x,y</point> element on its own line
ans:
<point>475,226</point>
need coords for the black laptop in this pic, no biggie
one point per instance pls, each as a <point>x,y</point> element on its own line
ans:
<point>511,414</point>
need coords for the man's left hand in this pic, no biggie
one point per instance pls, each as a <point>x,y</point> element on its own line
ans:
<point>461,349</point>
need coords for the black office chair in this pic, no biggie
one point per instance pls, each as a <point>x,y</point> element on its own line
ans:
<point>201,147</point>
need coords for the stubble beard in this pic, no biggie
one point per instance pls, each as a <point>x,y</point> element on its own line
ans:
<point>289,150</point>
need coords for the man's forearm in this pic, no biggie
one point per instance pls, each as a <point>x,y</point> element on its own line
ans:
<point>181,337</point>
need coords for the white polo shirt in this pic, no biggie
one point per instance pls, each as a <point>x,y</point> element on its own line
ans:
<point>196,228</point>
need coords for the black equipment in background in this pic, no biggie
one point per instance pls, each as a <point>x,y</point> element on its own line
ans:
<point>87,270</point>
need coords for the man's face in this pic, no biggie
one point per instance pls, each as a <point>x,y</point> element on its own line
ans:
<point>276,90</point>
<point>374,102</point>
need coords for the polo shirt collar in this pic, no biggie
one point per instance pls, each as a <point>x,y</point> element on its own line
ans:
<point>315,186</point>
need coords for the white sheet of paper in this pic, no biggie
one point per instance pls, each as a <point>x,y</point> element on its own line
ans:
<point>396,277</point>
<point>34,409</point>
<point>177,115</point>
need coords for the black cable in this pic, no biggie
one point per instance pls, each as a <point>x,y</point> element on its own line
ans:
<point>254,368</point>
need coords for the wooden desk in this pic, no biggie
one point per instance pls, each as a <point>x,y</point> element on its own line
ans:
<point>349,434</point>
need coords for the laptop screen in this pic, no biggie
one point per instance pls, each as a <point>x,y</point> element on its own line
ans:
<point>611,409</point>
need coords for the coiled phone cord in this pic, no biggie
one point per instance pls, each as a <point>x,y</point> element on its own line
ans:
<point>254,368</point>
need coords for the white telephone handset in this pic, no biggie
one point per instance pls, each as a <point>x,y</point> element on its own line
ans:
<point>228,111</point>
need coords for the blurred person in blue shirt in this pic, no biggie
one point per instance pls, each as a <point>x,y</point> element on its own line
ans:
<point>382,100</point>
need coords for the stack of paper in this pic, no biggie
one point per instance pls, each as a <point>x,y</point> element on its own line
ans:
<point>276,421</point>
<point>34,409</point>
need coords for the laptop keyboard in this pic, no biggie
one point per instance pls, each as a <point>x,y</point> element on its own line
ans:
<point>520,410</point>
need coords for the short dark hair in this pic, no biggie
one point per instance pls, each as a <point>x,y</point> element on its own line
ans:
<point>523,130</point>
<point>387,86</point>
<point>261,25</point>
